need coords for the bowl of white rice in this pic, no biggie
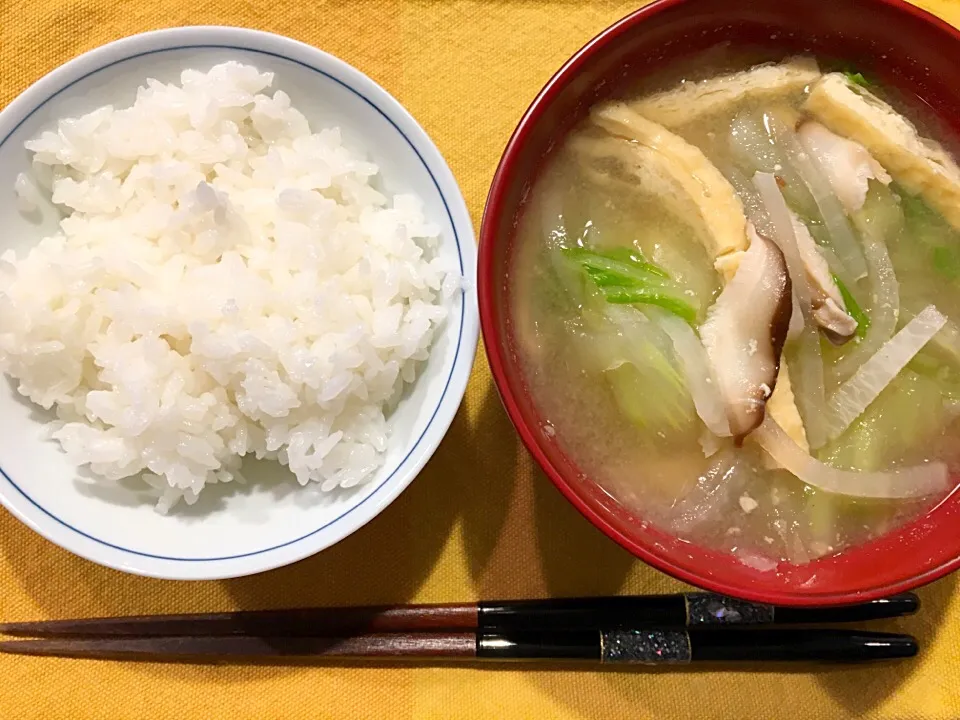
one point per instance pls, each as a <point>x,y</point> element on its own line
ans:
<point>237,310</point>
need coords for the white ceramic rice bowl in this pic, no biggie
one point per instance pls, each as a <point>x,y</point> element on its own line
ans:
<point>271,521</point>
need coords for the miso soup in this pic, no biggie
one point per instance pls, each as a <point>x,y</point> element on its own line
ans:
<point>734,298</point>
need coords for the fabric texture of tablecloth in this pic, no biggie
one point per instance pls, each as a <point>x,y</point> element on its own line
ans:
<point>480,521</point>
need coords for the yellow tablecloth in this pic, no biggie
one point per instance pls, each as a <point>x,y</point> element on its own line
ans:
<point>480,521</point>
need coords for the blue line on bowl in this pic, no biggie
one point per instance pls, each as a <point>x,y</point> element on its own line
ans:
<point>459,334</point>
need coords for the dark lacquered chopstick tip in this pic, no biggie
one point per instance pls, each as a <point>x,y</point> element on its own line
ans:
<point>880,609</point>
<point>907,603</point>
<point>820,645</point>
<point>890,647</point>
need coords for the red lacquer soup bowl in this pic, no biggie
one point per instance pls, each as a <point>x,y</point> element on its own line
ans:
<point>896,43</point>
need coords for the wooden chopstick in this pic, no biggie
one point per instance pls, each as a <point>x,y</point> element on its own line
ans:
<point>629,647</point>
<point>296,622</point>
<point>240,647</point>
<point>562,614</point>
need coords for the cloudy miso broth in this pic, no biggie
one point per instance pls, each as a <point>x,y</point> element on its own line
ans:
<point>733,301</point>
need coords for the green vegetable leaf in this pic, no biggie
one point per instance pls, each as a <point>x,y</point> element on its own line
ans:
<point>924,364</point>
<point>627,263</point>
<point>653,396</point>
<point>626,278</point>
<point>927,227</point>
<point>908,410</point>
<point>924,224</point>
<point>853,307</point>
<point>856,79</point>
<point>947,262</point>
<point>635,257</point>
<point>628,350</point>
<point>914,207</point>
<point>605,278</point>
<point>627,274</point>
<point>651,296</point>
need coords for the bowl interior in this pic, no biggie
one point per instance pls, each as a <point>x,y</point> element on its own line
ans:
<point>272,520</point>
<point>905,49</point>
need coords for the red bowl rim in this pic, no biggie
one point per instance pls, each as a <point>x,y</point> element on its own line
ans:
<point>487,290</point>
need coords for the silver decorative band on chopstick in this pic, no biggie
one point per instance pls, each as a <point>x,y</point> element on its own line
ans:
<point>645,647</point>
<point>709,609</point>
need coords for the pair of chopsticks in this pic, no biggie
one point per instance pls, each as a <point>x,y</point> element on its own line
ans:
<point>654,630</point>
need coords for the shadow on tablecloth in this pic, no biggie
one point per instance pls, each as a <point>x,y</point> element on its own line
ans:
<point>522,538</point>
<point>861,688</point>
<point>387,560</point>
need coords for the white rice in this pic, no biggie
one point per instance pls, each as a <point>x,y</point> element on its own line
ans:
<point>224,282</point>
